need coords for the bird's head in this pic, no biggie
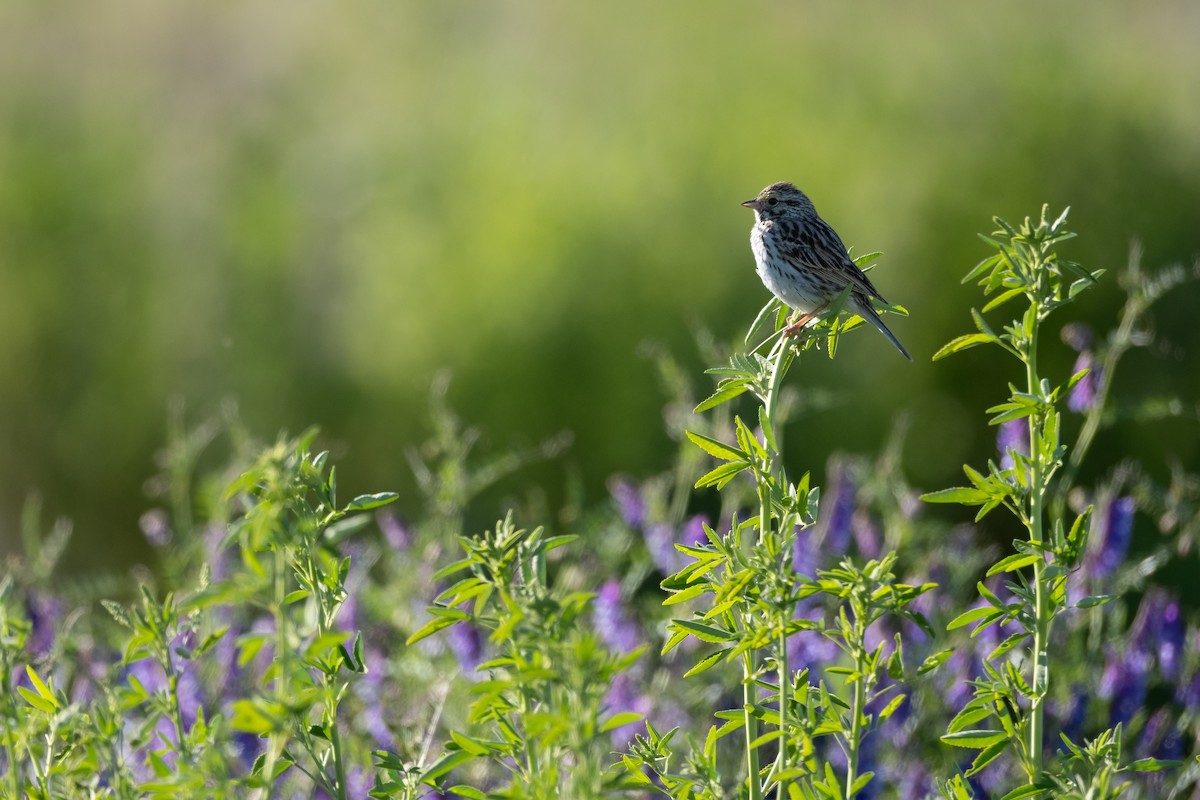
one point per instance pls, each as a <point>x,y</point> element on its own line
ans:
<point>779,200</point>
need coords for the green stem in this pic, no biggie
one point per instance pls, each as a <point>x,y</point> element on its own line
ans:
<point>1041,633</point>
<point>856,733</point>
<point>335,739</point>
<point>748,702</point>
<point>785,683</point>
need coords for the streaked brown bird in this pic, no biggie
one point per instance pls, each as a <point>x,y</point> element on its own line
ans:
<point>803,261</point>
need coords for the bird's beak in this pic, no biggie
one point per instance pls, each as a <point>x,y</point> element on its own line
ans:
<point>751,204</point>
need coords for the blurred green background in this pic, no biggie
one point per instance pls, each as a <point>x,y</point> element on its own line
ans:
<point>312,208</point>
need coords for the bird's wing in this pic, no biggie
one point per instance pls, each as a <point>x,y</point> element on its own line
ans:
<point>822,250</point>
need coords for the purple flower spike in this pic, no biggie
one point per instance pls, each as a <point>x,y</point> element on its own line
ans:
<point>1172,634</point>
<point>395,532</point>
<point>630,503</point>
<point>1083,394</point>
<point>1114,534</point>
<point>613,625</point>
<point>1012,435</point>
<point>836,529</point>
<point>693,531</point>
<point>466,644</point>
<point>660,542</point>
<point>1124,683</point>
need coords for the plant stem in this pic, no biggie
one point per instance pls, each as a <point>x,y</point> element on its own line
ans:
<point>748,702</point>
<point>1041,633</point>
<point>856,708</point>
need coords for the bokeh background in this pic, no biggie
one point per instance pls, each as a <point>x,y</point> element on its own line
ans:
<point>312,209</point>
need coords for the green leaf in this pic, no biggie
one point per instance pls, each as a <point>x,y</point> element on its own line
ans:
<point>708,662</point>
<point>1002,298</point>
<point>444,765</point>
<point>959,494</point>
<point>726,392</point>
<point>1028,790</point>
<point>964,342</point>
<point>1013,563</point>
<point>1154,764</point>
<point>41,688</point>
<point>722,474</point>
<point>468,744</point>
<point>969,616</point>
<point>1094,600</point>
<point>687,594</point>
<point>36,701</point>
<point>471,793</point>
<point>705,633</point>
<point>716,448</point>
<point>974,739</point>
<point>936,660</point>
<point>368,501</point>
<point>987,755</point>
<point>436,624</point>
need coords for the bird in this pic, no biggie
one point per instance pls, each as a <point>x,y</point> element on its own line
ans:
<point>801,259</point>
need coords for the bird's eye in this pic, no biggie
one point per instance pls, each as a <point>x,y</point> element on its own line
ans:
<point>772,201</point>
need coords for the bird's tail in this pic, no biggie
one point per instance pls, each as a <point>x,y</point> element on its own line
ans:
<point>863,309</point>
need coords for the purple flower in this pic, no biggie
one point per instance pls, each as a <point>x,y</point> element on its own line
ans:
<point>613,625</point>
<point>660,542</point>
<point>693,531</point>
<point>45,612</point>
<point>395,532</point>
<point>156,527</point>
<point>1073,714</point>
<point>465,642</point>
<point>1172,634</point>
<point>866,535</point>
<point>1012,435</point>
<point>622,697</point>
<point>804,556</point>
<point>835,530</point>
<point>1187,694</point>
<point>630,503</point>
<point>1077,335</point>
<point>1112,537</point>
<point>1124,683</point>
<point>1160,738</point>
<point>1083,394</point>
<point>661,537</point>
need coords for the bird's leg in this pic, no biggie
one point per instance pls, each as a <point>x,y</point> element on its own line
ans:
<point>797,323</point>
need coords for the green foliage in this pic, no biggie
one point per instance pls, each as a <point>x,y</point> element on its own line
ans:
<point>1013,691</point>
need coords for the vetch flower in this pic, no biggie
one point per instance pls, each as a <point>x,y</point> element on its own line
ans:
<point>1084,393</point>
<point>631,505</point>
<point>835,528</point>
<point>1111,537</point>
<point>613,625</point>
<point>395,532</point>
<point>1124,683</point>
<point>1012,435</point>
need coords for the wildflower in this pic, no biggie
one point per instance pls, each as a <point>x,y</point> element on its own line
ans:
<point>866,535</point>
<point>466,644</point>
<point>631,505</point>
<point>613,625</point>
<point>1113,535</point>
<point>1124,683</point>
<point>835,533</point>
<point>1171,638</point>
<point>395,532</point>
<point>1084,393</point>
<point>1012,436</point>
